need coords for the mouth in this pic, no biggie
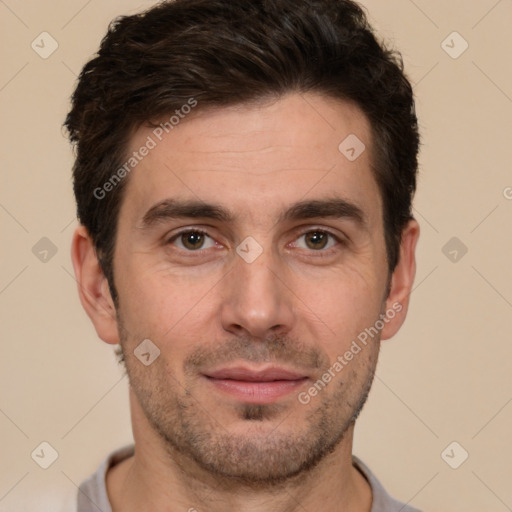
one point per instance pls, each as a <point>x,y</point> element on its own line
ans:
<point>255,386</point>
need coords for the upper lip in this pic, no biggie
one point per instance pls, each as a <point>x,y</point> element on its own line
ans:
<point>242,373</point>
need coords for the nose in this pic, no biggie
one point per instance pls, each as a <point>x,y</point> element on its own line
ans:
<point>257,300</point>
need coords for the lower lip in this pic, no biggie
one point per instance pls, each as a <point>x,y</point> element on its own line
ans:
<point>257,392</point>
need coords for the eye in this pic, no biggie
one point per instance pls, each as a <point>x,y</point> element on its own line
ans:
<point>318,240</point>
<point>196,240</point>
<point>191,240</point>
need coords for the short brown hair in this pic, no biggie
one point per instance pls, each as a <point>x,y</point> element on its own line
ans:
<point>222,52</point>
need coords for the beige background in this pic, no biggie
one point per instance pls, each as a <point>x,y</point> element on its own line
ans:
<point>445,377</point>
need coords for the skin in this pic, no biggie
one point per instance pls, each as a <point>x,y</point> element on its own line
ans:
<point>196,446</point>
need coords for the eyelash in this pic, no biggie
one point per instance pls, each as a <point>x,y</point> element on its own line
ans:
<point>320,253</point>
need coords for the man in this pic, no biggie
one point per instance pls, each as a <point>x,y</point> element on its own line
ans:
<point>244,176</point>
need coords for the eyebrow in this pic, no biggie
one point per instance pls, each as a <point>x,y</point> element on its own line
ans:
<point>169,209</point>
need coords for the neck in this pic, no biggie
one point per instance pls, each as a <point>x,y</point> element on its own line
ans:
<point>159,478</point>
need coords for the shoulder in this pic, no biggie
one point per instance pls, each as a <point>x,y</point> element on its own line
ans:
<point>382,501</point>
<point>92,493</point>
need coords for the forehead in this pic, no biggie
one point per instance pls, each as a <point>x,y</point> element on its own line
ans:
<point>255,158</point>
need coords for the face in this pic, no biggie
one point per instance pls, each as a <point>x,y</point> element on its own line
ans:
<point>250,251</point>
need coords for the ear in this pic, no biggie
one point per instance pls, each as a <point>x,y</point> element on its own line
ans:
<point>397,302</point>
<point>93,287</point>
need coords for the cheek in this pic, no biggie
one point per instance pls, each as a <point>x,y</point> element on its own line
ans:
<point>170,309</point>
<point>346,302</point>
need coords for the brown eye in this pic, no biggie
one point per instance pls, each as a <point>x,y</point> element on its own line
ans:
<point>319,241</point>
<point>316,239</point>
<point>191,240</point>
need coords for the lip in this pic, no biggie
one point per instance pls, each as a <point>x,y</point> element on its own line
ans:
<point>268,374</point>
<point>255,386</point>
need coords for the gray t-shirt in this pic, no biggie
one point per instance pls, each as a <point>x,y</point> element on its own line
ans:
<point>92,494</point>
